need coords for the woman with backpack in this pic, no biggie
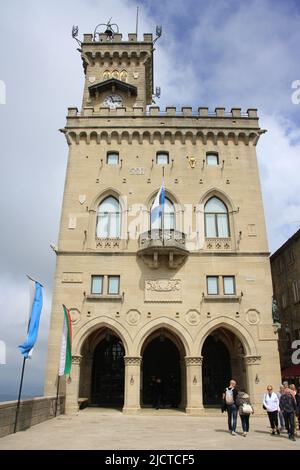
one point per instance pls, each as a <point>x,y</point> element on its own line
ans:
<point>245,410</point>
<point>229,398</point>
<point>271,404</point>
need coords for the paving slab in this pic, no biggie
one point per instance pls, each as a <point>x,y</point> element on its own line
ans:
<point>94,428</point>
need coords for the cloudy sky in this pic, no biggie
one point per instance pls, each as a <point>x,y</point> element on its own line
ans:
<point>232,53</point>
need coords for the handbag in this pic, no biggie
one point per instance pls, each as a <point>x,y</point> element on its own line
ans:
<point>264,406</point>
<point>247,409</point>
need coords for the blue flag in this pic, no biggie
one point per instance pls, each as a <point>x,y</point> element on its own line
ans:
<point>34,321</point>
<point>158,204</point>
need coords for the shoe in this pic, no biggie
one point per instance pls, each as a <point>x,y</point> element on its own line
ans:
<point>233,433</point>
<point>273,433</point>
<point>278,432</point>
<point>292,438</point>
<point>244,434</point>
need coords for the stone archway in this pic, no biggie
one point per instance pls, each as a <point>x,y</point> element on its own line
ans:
<point>223,358</point>
<point>163,377</point>
<point>102,369</point>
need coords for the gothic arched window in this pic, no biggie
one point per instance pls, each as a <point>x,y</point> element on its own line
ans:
<point>216,219</point>
<point>109,218</point>
<point>168,215</point>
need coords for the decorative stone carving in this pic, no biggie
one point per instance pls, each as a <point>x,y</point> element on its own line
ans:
<point>75,315</point>
<point>82,198</point>
<point>72,222</point>
<point>192,317</point>
<point>252,360</point>
<point>76,360</point>
<point>163,290</point>
<point>193,360</point>
<point>71,277</point>
<point>132,360</point>
<point>108,242</point>
<point>92,79</point>
<point>252,316</point>
<point>219,244</point>
<point>133,317</point>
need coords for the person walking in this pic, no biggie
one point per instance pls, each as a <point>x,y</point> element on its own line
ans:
<point>280,414</point>
<point>229,397</point>
<point>159,394</point>
<point>287,404</point>
<point>271,404</point>
<point>245,410</point>
<point>298,406</point>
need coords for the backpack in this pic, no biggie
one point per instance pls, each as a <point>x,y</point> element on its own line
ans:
<point>286,403</point>
<point>229,397</point>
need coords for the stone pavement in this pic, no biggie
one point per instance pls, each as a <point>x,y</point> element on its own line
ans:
<point>95,428</point>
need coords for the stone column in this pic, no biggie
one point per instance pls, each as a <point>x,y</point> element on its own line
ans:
<point>72,386</point>
<point>132,384</point>
<point>183,384</point>
<point>253,379</point>
<point>194,403</point>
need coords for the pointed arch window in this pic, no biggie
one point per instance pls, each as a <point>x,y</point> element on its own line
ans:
<point>216,219</point>
<point>169,217</point>
<point>109,218</point>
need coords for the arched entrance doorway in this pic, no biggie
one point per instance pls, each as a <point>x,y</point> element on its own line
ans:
<point>222,354</point>
<point>162,377</point>
<point>102,369</point>
<point>108,372</point>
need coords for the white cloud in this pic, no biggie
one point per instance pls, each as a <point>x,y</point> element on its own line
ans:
<point>279,159</point>
<point>226,53</point>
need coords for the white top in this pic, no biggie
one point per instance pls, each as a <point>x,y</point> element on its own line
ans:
<point>271,402</point>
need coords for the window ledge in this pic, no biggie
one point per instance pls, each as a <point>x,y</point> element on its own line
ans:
<point>105,296</point>
<point>221,298</point>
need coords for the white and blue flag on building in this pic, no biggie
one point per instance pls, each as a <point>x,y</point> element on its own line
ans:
<point>158,205</point>
<point>34,319</point>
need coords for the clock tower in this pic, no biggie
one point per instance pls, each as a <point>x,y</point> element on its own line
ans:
<point>117,73</point>
<point>184,297</point>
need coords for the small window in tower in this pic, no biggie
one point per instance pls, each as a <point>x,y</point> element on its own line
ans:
<point>212,159</point>
<point>112,158</point>
<point>229,285</point>
<point>162,158</point>
<point>113,285</point>
<point>97,284</point>
<point>212,285</point>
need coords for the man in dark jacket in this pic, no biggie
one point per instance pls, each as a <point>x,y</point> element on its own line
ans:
<point>287,404</point>
<point>229,397</point>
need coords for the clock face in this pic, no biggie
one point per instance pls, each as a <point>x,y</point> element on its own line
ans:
<point>113,101</point>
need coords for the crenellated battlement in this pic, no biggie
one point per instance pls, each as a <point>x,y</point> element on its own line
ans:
<point>117,38</point>
<point>169,111</point>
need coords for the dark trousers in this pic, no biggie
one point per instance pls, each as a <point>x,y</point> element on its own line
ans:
<point>245,422</point>
<point>273,418</point>
<point>289,419</point>
<point>232,415</point>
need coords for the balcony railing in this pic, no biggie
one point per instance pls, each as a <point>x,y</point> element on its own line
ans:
<point>157,243</point>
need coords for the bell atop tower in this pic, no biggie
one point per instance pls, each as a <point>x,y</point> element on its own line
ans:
<point>118,73</point>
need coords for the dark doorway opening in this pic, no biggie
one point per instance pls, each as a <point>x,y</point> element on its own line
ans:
<point>161,360</point>
<point>216,370</point>
<point>108,373</point>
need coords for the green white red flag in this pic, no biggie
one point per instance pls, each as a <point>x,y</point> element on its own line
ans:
<point>65,362</point>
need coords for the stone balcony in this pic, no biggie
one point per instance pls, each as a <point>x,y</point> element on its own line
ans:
<point>157,244</point>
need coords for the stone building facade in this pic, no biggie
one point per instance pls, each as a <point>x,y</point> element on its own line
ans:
<point>285,268</point>
<point>185,297</point>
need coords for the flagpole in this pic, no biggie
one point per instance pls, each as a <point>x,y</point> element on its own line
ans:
<point>19,397</point>
<point>57,391</point>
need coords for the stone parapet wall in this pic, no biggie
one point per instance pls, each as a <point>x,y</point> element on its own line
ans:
<point>32,411</point>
